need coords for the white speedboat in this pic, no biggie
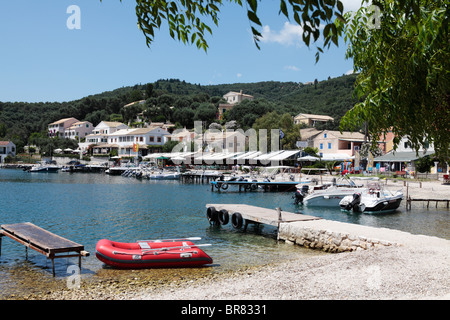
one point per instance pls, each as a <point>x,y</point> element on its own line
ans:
<point>373,199</point>
<point>164,176</point>
<point>326,195</point>
<point>44,168</point>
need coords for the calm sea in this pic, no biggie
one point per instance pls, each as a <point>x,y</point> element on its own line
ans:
<point>88,207</point>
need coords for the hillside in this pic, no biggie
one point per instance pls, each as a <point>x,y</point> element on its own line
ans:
<point>179,102</point>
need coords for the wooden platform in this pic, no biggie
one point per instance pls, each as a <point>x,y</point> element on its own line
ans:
<point>253,214</point>
<point>43,241</point>
<point>253,185</point>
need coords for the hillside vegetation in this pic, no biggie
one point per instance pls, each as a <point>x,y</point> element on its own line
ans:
<point>181,103</point>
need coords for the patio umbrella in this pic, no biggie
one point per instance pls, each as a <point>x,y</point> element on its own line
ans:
<point>308,158</point>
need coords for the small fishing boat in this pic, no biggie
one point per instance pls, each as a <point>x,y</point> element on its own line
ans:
<point>375,199</point>
<point>167,253</point>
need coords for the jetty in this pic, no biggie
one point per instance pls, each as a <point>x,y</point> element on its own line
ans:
<point>43,241</point>
<point>241,215</point>
<point>255,185</point>
<point>307,231</point>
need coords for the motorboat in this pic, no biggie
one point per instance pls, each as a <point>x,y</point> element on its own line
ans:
<point>373,199</point>
<point>164,176</point>
<point>46,168</point>
<point>167,253</point>
<point>326,195</point>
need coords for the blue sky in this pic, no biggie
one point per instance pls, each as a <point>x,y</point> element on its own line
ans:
<point>41,59</point>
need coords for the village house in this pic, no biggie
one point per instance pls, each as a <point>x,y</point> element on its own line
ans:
<point>7,148</point>
<point>79,130</point>
<point>404,158</point>
<point>232,98</point>
<point>183,136</point>
<point>98,139</point>
<point>58,128</point>
<point>222,141</point>
<point>333,145</point>
<point>311,119</point>
<point>137,142</point>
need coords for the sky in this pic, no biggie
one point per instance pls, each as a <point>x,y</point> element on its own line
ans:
<point>43,58</point>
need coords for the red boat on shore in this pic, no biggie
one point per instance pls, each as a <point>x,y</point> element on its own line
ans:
<point>170,253</point>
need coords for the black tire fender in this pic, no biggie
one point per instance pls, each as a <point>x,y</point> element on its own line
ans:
<point>212,214</point>
<point>236,220</point>
<point>223,217</point>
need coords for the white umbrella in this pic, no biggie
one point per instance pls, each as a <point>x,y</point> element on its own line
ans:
<point>57,150</point>
<point>308,158</point>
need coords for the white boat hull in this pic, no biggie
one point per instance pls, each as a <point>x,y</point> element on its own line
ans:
<point>328,199</point>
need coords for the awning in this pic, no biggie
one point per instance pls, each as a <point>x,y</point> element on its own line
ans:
<point>336,157</point>
<point>406,156</point>
<point>267,156</point>
<point>284,155</point>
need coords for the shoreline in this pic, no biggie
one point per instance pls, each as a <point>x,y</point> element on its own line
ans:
<point>390,273</point>
<point>417,269</point>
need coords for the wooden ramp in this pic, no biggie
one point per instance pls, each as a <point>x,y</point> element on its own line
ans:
<point>43,241</point>
<point>243,214</point>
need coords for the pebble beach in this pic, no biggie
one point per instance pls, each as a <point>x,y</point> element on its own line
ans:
<point>418,268</point>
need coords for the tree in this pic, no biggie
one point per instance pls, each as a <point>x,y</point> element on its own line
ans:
<point>404,64</point>
<point>273,120</point>
<point>190,20</point>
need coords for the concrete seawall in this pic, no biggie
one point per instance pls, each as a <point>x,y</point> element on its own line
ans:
<point>334,236</point>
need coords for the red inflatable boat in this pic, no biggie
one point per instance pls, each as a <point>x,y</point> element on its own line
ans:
<point>151,254</point>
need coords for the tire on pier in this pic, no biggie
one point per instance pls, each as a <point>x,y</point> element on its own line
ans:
<point>223,217</point>
<point>213,215</point>
<point>224,186</point>
<point>237,220</point>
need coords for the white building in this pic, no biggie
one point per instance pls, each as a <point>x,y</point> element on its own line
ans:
<point>236,97</point>
<point>58,128</point>
<point>98,139</point>
<point>134,142</point>
<point>79,130</point>
<point>7,148</point>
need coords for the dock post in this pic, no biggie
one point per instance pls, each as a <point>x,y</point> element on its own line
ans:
<point>279,220</point>
<point>1,236</point>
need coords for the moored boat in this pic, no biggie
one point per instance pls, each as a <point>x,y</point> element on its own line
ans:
<point>374,199</point>
<point>326,195</point>
<point>152,254</point>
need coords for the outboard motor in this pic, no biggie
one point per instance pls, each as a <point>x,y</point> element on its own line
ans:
<point>298,197</point>
<point>300,194</point>
<point>305,189</point>
<point>354,204</point>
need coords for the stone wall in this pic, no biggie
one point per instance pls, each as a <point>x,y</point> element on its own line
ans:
<point>326,240</point>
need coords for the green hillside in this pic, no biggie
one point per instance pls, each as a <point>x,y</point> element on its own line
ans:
<point>181,103</point>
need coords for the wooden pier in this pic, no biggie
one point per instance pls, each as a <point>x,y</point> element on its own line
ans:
<point>409,202</point>
<point>241,215</point>
<point>254,185</point>
<point>199,177</point>
<point>43,241</point>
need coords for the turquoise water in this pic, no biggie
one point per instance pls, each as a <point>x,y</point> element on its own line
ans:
<point>88,207</point>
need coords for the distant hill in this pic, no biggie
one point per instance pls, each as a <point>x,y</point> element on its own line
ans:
<point>175,100</point>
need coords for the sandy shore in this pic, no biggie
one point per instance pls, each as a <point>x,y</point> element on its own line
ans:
<point>417,269</point>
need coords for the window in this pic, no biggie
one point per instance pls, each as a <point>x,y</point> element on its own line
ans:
<point>329,145</point>
<point>152,139</point>
<point>159,139</point>
<point>321,146</point>
<point>325,135</point>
